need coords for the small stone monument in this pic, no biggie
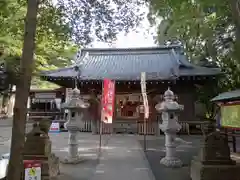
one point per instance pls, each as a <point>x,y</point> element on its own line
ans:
<point>75,108</point>
<point>38,147</point>
<point>170,126</point>
<point>214,161</point>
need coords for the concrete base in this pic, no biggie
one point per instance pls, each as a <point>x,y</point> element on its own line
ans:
<point>171,162</point>
<point>198,171</point>
<point>50,167</point>
<point>70,160</point>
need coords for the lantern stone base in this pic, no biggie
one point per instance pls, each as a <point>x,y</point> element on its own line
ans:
<point>71,160</point>
<point>199,171</point>
<point>172,162</point>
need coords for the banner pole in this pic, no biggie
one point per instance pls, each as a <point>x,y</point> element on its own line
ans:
<point>100,135</point>
<point>144,135</point>
<point>100,124</point>
<point>146,108</point>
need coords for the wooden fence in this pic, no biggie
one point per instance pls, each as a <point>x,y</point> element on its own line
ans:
<point>152,128</point>
<point>106,128</point>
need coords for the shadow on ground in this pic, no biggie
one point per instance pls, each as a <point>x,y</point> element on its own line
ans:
<point>71,172</point>
<point>185,151</point>
<point>88,151</point>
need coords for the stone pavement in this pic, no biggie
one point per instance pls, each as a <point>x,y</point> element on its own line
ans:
<point>88,150</point>
<point>6,122</point>
<point>122,158</point>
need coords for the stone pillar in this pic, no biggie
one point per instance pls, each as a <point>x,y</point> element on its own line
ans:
<point>170,145</point>
<point>170,126</point>
<point>72,147</point>
<point>75,122</point>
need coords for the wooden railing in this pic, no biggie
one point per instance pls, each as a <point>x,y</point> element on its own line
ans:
<point>86,127</point>
<point>185,128</point>
<point>106,128</point>
<point>32,115</point>
<point>151,128</point>
<point>189,126</point>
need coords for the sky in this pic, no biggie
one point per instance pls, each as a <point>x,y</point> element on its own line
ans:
<point>132,39</point>
<point>142,38</point>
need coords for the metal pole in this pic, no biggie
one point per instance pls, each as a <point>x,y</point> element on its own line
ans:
<point>144,135</point>
<point>100,124</point>
<point>100,134</point>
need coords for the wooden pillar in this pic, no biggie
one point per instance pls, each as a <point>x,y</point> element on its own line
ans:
<point>152,121</point>
<point>187,99</point>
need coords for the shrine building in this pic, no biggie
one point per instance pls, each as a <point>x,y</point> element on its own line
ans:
<point>165,66</point>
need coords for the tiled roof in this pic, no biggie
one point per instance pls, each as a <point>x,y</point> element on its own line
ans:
<point>227,96</point>
<point>127,64</point>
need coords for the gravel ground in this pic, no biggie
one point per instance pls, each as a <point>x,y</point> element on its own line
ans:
<point>185,151</point>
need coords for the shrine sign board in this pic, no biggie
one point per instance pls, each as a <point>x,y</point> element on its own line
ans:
<point>230,115</point>
<point>108,100</point>
<point>32,170</point>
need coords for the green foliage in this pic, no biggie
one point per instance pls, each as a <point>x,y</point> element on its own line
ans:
<point>100,20</point>
<point>63,27</point>
<point>208,30</point>
<point>54,48</point>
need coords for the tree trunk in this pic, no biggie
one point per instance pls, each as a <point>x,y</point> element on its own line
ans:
<point>235,7</point>
<point>22,92</point>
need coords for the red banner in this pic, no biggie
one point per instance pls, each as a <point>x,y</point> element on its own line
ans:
<point>108,100</point>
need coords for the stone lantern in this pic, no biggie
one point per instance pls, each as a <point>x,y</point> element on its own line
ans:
<point>169,109</point>
<point>74,123</point>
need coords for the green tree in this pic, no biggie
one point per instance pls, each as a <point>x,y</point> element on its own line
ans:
<point>63,24</point>
<point>53,49</point>
<point>208,30</point>
<point>59,25</point>
<point>100,20</point>
<point>22,92</point>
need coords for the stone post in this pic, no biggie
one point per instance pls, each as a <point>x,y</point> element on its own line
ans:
<point>38,147</point>
<point>75,122</point>
<point>214,161</point>
<point>170,126</point>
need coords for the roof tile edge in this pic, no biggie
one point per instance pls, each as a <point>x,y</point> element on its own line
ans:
<point>153,48</point>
